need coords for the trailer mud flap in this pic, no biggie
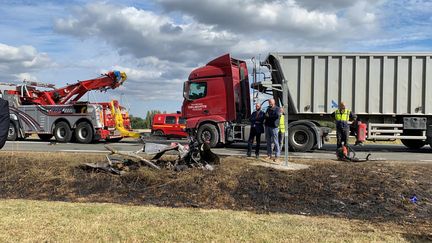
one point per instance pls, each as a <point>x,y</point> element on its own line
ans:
<point>4,121</point>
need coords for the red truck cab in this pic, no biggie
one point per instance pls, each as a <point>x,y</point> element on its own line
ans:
<point>169,125</point>
<point>216,97</point>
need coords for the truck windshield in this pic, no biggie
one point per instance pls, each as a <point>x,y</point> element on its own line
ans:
<point>196,90</point>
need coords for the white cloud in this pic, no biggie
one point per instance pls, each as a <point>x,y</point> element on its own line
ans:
<point>142,33</point>
<point>248,16</point>
<point>19,62</point>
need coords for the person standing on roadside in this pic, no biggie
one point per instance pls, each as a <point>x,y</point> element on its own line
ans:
<point>281,134</point>
<point>257,128</point>
<point>342,115</point>
<point>271,123</point>
<point>4,121</point>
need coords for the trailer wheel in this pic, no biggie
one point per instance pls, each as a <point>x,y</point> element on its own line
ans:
<point>413,144</point>
<point>62,132</point>
<point>208,133</point>
<point>45,137</point>
<point>84,132</point>
<point>13,132</point>
<point>301,138</point>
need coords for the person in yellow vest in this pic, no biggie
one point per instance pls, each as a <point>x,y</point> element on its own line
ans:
<point>281,135</point>
<point>342,116</point>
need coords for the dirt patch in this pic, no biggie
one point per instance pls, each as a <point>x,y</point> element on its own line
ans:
<point>377,191</point>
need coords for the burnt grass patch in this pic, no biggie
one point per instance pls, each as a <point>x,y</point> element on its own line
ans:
<point>374,191</point>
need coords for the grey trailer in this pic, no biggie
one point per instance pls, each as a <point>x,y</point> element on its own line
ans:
<point>390,92</point>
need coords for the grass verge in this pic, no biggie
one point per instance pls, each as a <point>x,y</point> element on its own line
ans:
<point>27,220</point>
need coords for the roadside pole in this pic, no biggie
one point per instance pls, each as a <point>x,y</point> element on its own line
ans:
<point>285,102</point>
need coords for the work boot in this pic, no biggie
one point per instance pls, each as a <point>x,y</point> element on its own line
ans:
<point>249,155</point>
<point>256,156</point>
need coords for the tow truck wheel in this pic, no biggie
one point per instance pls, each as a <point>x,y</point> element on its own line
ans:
<point>12,133</point>
<point>208,133</point>
<point>62,132</point>
<point>301,138</point>
<point>84,133</point>
<point>45,137</point>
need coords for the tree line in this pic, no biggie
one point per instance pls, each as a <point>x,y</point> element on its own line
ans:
<point>140,123</point>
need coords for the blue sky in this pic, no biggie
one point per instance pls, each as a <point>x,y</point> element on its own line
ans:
<point>159,42</point>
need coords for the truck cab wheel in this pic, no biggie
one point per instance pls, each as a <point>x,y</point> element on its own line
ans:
<point>208,133</point>
<point>62,132</point>
<point>45,137</point>
<point>84,132</point>
<point>301,138</point>
<point>12,133</point>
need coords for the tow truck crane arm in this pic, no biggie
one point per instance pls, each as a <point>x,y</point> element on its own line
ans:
<point>73,92</point>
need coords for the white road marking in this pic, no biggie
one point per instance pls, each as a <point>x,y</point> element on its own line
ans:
<point>31,142</point>
<point>85,151</point>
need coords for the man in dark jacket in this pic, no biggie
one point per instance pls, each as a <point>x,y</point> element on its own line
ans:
<point>4,121</point>
<point>271,123</point>
<point>257,128</point>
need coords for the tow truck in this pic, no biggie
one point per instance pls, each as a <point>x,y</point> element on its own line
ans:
<point>41,109</point>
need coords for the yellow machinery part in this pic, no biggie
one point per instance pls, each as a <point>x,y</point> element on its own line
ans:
<point>118,118</point>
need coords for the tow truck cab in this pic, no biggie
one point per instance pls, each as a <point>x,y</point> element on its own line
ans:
<point>217,100</point>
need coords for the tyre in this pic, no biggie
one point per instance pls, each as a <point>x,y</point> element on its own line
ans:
<point>158,133</point>
<point>413,144</point>
<point>114,140</point>
<point>208,133</point>
<point>45,137</point>
<point>62,132</point>
<point>13,132</point>
<point>84,132</point>
<point>301,138</point>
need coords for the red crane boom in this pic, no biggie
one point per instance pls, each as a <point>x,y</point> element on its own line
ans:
<point>70,93</point>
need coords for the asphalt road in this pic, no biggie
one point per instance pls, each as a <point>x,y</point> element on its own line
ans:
<point>378,151</point>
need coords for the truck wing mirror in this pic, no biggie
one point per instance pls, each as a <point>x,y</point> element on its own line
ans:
<point>186,91</point>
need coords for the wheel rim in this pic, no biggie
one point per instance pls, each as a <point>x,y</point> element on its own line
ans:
<point>300,138</point>
<point>206,136</point>
<point>61,132</point>
<point>83,133</point>
<point>158,133</point>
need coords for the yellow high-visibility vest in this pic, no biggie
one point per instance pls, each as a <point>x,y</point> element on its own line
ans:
<point>344,116</point>
<point>282,123</point>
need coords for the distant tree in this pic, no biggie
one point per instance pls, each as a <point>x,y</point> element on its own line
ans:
<point>137,122</point>
<point>149,117</point>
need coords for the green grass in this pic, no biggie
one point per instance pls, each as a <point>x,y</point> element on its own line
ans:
<point>26,220</point>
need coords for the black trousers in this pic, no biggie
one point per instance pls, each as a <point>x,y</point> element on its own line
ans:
<point>4,121</point>
<point>342,134</point>
<point>252,135</point>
